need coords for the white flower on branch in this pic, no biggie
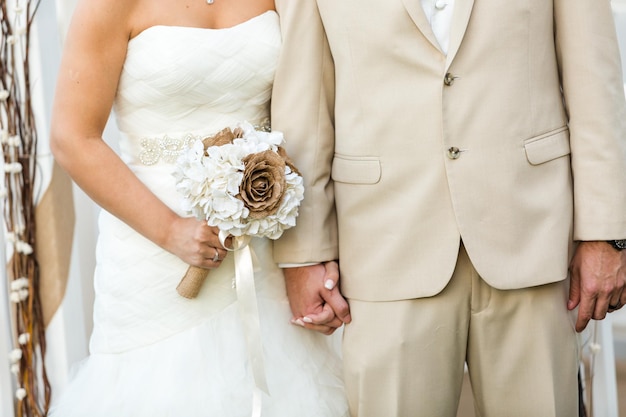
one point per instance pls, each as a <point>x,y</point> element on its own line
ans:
<point>19,290</point>
<point>15,355</point>
<point>23,338</point>
<point>13,168</point>
<point>23,247</point>
<point>12,39</point>
<point>3,193</point>
<point>10,236</point>
<point>23,294</point>
<point>4,94</point>
<point>19,284</point>
<point>20,394</point>
<point>15,369</point>
<point>14,142</point>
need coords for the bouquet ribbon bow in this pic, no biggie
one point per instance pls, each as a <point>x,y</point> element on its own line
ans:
<point>242,182</point>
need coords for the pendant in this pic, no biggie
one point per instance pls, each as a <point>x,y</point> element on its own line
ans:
<point>209,1</point>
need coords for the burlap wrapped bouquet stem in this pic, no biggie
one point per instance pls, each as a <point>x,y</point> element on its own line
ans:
<point>261,190</point>
<point>189,286</point>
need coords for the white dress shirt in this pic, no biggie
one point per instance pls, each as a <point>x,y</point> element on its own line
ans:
<point>439,14</point>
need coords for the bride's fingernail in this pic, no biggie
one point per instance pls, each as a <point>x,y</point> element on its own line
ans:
<point>298,322</point>
<point>307,320</point>
<point>329,284</point>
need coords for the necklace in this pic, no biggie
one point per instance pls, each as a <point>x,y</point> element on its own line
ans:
<point>209,1</point>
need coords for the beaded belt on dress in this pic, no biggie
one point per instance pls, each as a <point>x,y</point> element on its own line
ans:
<point>167,149</point>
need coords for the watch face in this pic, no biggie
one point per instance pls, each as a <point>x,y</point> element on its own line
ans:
<point>621,243</point>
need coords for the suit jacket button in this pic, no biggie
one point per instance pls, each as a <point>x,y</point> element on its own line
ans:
<point>449,79</point>
<point>454,152</point>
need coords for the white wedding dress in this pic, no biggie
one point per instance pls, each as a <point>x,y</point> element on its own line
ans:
<point>153,352</point>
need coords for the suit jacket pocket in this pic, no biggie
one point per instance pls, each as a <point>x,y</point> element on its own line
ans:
<point>356,170</point>
<point>548,146</point>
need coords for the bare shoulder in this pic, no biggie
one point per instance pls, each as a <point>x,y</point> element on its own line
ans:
<point>104,17</point>
<point>94,53</point>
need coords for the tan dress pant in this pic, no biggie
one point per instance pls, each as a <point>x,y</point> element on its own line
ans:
<point>406,358</point>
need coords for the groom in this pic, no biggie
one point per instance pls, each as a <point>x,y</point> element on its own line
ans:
<point>466,162</point>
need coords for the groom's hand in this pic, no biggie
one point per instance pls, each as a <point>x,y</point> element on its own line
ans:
<point>314,297</point>
<point>598,282</point>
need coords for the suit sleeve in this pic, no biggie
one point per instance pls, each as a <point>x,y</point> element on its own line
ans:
<point>302,108</point>
<point>593,90</point>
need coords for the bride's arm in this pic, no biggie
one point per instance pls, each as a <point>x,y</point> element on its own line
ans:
<point>88,77</point>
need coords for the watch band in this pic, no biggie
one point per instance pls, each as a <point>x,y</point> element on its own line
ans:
<point>619,244</point>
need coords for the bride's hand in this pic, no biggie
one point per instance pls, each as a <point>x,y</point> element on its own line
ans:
<point>314,297</point>
<point>195,242</point>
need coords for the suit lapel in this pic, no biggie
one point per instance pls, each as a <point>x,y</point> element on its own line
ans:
<point>414,8</point>
<point>460,20</point>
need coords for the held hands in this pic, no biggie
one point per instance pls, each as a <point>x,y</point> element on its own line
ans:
<point>314,297</point>
<point>195,242</point>
<point>598,281</point>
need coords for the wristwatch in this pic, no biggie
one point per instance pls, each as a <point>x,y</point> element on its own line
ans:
<point>617,244</point>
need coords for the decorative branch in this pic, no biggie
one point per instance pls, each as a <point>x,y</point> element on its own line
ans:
<point>18,136</point>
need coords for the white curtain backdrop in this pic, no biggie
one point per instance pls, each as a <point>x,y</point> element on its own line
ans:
<point>69,331</point>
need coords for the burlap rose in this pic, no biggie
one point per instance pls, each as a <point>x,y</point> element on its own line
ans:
<point>263,183</point>
<point>283,154</point>
<point>222,137</point>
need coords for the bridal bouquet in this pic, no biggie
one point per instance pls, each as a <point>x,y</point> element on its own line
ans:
<point>242,182</point>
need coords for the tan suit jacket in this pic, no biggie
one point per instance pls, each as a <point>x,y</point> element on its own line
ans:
<point>514,142</point>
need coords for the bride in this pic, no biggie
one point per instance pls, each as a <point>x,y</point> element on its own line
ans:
<point>171,69</point>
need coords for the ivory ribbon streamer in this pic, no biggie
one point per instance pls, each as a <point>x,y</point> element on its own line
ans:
<point>249,311</point>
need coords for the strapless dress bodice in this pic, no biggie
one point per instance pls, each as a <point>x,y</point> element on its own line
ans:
<point>182,81</point>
